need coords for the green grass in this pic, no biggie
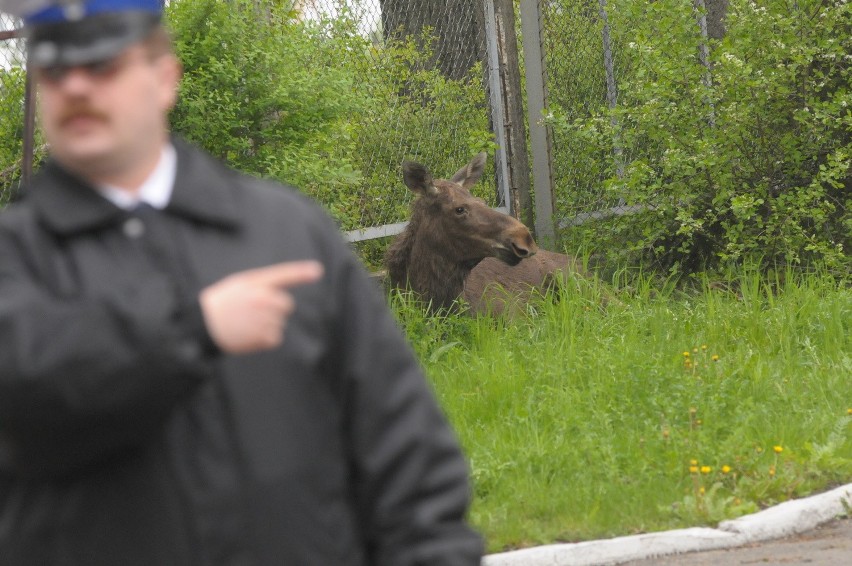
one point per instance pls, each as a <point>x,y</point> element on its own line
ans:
<point>598,416</point>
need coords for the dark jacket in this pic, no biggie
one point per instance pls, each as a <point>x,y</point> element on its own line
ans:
<point>127,439</point>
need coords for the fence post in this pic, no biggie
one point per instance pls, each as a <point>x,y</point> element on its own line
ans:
<point>515,124</point>
<point>498,111</point>
<point>539,132</point>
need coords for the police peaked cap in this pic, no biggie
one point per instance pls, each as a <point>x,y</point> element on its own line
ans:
<point>76,32</point>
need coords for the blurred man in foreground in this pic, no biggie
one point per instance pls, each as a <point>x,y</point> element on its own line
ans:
<point>194,368</point>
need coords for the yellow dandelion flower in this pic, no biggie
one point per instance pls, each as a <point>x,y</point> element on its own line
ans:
<point>849,411</point>
<point>715,357</point>
<point>706,469</point>
<point>695,350</point>
<point>778,449</point>
<point>686,354</point>
<point>725,469</point>
<point>771,470</point>
<point>704,346</point>
<point>693,469</point>
<point>701,490</point>
<point>693,462</point>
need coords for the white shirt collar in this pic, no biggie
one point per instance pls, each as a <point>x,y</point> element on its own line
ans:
<point>157,188</point>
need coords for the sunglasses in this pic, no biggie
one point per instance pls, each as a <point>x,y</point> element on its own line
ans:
<point>99,70</point>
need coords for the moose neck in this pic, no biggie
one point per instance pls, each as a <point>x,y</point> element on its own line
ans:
<point>421,264</point>
<point>437,278</point>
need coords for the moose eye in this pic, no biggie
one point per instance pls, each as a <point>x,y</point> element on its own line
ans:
<point>460,210</point>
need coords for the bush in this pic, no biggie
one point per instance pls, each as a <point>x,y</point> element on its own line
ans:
<point>265,93</point>
<point>749,158</point>
<point>12,85</point>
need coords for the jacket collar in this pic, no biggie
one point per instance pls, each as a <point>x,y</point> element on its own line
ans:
<point>68,205</point>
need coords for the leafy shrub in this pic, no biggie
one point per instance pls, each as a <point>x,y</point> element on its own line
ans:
<point>749,158</point>
<point>12,85</point>
<point>265,93</point>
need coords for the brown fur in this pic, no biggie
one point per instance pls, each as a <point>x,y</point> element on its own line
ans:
<point>456,246</point>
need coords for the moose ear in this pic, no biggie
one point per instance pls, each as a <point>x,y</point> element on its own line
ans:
<point>417,178</point>
<point>468,175</point>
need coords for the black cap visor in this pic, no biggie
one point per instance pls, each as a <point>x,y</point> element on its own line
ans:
<point>90,40</point>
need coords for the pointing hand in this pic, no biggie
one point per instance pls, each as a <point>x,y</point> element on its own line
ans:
<point>247,311</point>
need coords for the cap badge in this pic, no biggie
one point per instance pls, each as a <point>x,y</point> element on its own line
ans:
<point>74,10</point>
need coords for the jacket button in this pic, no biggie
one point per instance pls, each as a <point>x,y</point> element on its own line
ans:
<point>189,350</point>
<point>134,227</point>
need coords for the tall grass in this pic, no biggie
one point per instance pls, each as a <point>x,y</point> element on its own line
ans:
<point>657,408</point>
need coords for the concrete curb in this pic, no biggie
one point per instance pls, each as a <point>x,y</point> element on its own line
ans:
<point>788,518</point>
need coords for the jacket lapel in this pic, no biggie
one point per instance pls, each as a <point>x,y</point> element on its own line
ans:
<point>66,204</point>
<point>204,189</point>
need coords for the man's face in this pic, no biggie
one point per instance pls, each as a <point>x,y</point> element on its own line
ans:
<point>104,117</point>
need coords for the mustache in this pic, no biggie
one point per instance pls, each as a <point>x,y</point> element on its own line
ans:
<point>81,112</point>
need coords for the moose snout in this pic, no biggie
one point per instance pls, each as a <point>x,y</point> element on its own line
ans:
<point>523,245</point>
<point>523,251</point>
<point>518,246</point>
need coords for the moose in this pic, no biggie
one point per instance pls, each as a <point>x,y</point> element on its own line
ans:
<point>456,246</point>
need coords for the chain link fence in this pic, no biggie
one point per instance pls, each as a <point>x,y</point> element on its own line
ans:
<point>423,69</point>
<point>584,51</point>
<point>430,77</point>
<point>581,76</point>
<point>596,54</point>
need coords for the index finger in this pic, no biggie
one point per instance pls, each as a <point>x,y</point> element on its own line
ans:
<point>289,273</point>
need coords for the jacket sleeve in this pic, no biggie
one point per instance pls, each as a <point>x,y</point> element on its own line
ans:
<point>411,477</point>
<point>83,379</point>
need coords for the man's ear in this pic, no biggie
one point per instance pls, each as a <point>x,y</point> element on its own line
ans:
<point>171,72</point>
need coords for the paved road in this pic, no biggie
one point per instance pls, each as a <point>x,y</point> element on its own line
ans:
<point>827,545</point>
